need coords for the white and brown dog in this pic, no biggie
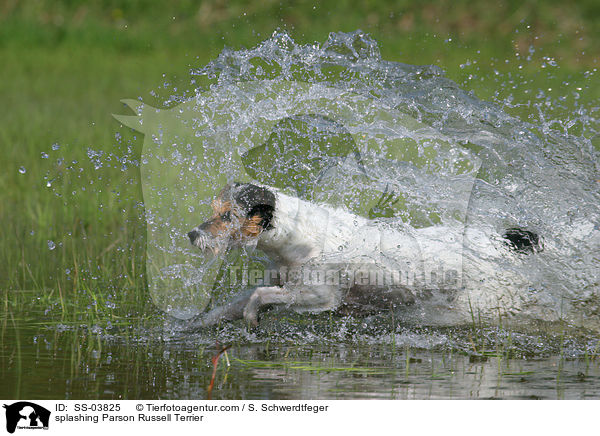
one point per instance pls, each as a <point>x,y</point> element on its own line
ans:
<point>316,240</point>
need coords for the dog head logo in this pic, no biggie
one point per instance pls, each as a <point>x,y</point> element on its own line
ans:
<point>26,415</point>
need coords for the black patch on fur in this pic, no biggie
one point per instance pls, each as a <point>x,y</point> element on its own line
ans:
<point>523,241</point>
<point>265,212</point>
<point>256,200</point>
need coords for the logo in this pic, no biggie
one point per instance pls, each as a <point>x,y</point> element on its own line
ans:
<point>26,415</point>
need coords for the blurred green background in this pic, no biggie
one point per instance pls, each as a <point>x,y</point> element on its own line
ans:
<point>72,228</point>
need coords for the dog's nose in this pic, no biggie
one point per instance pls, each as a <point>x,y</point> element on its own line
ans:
<point>193,235</point>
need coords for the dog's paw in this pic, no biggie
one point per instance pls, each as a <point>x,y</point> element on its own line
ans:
<point>251,318</point>
<point>251,310</point>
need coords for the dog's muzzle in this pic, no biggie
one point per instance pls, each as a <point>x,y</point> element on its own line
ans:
<point>201,239</point>
<point>207,242</point>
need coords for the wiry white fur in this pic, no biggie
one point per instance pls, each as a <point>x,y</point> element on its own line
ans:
<point>315,236</point>
<point>304,231</point>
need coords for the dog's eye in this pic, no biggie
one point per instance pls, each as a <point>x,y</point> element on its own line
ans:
<point>226,216</point>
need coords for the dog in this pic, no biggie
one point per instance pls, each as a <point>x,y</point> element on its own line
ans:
<point>372,264</point>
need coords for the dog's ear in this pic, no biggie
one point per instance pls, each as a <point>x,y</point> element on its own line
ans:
<point>257,202</point>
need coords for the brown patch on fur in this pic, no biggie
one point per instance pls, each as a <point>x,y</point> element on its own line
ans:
<point>217,227</point>
<point>251,227</point>
<point>220,207</point>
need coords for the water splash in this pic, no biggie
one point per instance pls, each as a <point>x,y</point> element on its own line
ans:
<point>450,158</point>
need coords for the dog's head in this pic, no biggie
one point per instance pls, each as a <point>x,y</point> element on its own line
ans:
<point>241,212</point>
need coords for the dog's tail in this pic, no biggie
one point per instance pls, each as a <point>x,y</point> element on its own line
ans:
<point>523,241</point>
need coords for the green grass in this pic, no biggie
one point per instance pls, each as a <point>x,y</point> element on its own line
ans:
<point>66,65</point>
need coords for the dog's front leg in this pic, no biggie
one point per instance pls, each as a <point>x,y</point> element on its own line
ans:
<point>263,296</point>
<point>308,298</point>
<point>228,312</point>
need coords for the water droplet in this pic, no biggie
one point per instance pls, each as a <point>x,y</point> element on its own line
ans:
<point>44,155</point>
<point>55,147</point>
<point>51,245</point>
<point>22,170</point>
